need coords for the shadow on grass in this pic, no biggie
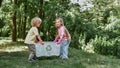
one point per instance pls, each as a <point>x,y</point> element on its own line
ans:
<point>13,55</point>
<point>77,59</point>
<point>19,60</point>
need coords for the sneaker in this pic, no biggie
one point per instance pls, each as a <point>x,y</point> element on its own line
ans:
<point>31,60</point>
<point>64,58</point>
<point>60,57</point>
<point>34,58</point>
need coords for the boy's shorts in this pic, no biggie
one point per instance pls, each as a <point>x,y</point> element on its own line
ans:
<point>31,48</point>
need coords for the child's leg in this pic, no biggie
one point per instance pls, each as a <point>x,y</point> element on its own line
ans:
<point>32,51</point>
<point>31,55</point>
<point>65,46</point>
<point>65,51</point>
<point>61,51</point>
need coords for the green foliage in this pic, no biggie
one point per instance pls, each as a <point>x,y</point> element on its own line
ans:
<point>2,23</point>
<point>101,20</point>
<point>105,46</point>
<point>57,8</point>
<point>5,31</point>
<point>82,40</point>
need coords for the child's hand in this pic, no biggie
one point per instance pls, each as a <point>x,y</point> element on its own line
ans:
<point>59,41</point>
<point>41,42</point>
<point>55,41</point>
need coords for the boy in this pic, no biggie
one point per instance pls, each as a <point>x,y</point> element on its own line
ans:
<point>33,37</point>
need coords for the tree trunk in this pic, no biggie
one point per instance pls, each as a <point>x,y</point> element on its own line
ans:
<point>41,9</point>
<point>24,25</point>
<point>18,28</point>
<point>41,12</point>
<point>14,30</point>
<point>1,2</point>
<point>24,28</point>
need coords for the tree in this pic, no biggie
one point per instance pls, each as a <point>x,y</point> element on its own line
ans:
<point>41,9</point>
<point>25,20</point>
<point>14,28</point>
<point>1,2</point>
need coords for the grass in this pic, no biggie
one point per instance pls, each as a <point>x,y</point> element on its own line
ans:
<point>78,59</point>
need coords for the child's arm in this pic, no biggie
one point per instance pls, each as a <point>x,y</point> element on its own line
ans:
<point>56,37</point>
<point>59,41</point>
<point>40,40</point>
<point>62,35</point>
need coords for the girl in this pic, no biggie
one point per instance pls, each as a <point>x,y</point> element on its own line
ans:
<point>33,37</point>
<point>63,37</point>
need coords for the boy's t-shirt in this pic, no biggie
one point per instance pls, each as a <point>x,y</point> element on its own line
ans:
<point>33,32</point>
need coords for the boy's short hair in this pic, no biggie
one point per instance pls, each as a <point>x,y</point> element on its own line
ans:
<point>34,20</point>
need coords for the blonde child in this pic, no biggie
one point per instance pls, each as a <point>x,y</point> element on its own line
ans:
<point>33,37</point>
<point>63,38</point>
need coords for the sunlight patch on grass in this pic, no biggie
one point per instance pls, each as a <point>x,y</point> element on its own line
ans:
<point>14,49</point>
<point>4,41</point>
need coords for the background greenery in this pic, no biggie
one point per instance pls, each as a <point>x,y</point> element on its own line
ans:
<point>97,27</point>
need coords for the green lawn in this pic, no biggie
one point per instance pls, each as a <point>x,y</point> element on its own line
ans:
<point>17,58</point>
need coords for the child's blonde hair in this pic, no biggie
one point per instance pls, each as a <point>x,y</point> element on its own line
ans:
<point>61,20</point>
<point>66,31</point>
<point>34,20</point>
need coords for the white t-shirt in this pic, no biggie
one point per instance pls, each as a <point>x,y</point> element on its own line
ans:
<point>33,32</point>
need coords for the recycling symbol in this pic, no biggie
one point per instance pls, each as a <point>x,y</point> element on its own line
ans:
<point>48,48</point>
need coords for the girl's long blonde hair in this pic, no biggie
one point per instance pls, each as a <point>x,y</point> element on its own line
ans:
<point>66,31</point>
<point>61,20</point>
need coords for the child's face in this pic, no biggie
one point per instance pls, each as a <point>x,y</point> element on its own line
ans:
<point>58,23</point>
<point>38,24</point>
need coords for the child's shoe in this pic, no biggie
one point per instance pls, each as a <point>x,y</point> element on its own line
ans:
<point>31,60</point>
<point>64,58</point>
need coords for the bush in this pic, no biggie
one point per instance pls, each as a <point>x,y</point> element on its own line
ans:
<point>5,31</point>
<point>82,41</point>
<point>105,46</point>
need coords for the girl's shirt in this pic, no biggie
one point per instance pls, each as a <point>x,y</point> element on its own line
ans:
<point>63,33</point>
<point>33,32</point>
